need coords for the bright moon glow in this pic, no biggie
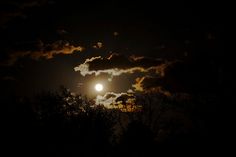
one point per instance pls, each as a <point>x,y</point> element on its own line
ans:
<point>98,87</point>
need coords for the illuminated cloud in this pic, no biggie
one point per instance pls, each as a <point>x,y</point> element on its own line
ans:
<point>150,84</point>
<point>155,75</point>
<point>117,64</point>
<point>123,101</point>
<point>130,91</point>
<point>138,85</point>
<point>46,51</point>
<point>145,83</point>
<point>98,45</point>
<point>84,68</point>
<point>110,99</point>
<point>157,83</point>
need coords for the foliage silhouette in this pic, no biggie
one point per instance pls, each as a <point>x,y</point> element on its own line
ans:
<point>63,123</point>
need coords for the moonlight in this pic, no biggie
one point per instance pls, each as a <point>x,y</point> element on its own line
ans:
<point>98,87</point>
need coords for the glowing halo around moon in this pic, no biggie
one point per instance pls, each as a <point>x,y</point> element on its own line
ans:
<point>98,87</point>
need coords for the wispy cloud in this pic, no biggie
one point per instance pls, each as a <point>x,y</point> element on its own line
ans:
<point>116,64</point>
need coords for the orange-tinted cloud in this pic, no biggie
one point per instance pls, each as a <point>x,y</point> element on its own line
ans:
<point>138,84</point>
<point>46,51</point>
<point>149,84</point>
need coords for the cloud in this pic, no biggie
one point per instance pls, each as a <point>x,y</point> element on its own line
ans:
<point>138,86</point>
<point>116,64</point>
<point>145,83</point>
<point>36,3</point>
<point>154,75</point>
<point>110,99</point>
<point>9,78</point>
<point>19,10</point>
<point>150,84</point>
<point>165,81</point>
<point>62,31</point>
<point>178,77</point>
<point>115,34</point>
<point>123,101</point>
<point>46,51</point>
<point>130,91</point>
<point>98,45</point>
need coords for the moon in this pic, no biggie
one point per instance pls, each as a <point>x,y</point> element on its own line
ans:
<point>98,87</point>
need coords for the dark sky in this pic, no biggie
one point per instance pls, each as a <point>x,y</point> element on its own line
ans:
<point>187,33</point>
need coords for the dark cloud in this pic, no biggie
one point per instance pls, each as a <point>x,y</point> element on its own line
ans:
<point>42,50</point>
<point>8,78</point>
<point>124,97</point>
<point>191,77</point>
<point>110,95</point>
<point>180,77</point>
<point>117,64</point>
<point>61,32</point>
<point>119,61</point>
<point>112,61</point>
<point>111,99</point>
<point>15,9</point>
<point>150,84</point>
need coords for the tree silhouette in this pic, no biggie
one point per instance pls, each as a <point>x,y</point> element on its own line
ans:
<point>66,124</point>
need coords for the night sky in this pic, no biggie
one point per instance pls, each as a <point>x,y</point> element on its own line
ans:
<point>31,30</point>
<point>131,48</point>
